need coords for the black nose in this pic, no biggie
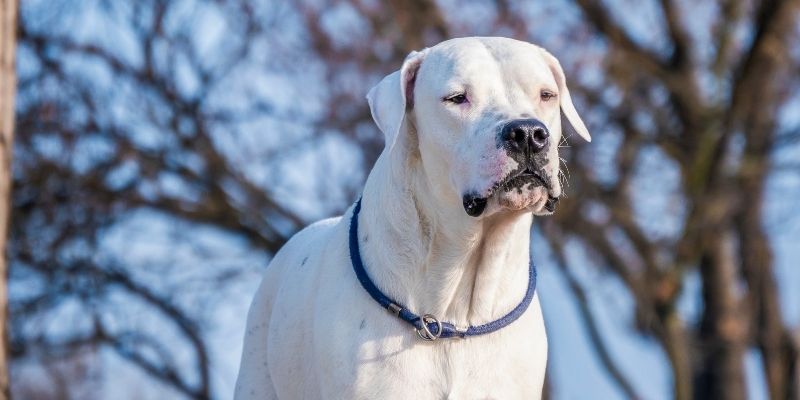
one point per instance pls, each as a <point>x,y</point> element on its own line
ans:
<point>525,135</point>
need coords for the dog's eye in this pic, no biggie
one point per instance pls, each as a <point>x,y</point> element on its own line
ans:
<point>458,98</point>
<point>547,95</point>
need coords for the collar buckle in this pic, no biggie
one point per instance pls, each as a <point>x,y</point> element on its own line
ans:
<point>424,331</point>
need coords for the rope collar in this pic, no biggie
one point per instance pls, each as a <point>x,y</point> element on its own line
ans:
<point>428,327</point>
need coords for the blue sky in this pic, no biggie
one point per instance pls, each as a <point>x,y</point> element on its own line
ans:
<point>187,260</point>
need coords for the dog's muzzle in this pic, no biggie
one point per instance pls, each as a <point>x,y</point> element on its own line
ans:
<point>475,205</point>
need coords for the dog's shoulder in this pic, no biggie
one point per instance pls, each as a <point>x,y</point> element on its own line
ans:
<point>304,249</point>
<point>313,236</point>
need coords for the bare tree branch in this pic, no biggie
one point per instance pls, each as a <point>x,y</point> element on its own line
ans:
<point>587,316</point>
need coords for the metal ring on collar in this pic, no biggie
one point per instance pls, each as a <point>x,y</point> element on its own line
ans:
<point>425,332</point>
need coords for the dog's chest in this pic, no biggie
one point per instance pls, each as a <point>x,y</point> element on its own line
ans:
<point>382,356</point>
<point>335,342</point>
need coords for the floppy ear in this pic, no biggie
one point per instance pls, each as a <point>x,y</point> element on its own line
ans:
<point>389,99</point>
<point>565,101</point>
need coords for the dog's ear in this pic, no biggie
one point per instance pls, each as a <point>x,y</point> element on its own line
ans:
<point>565,101</point>
<point>389,99</point>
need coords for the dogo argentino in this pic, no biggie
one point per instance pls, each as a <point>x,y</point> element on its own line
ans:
<point>440,239</point>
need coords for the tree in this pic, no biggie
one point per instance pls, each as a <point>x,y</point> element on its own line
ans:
<point>8,25</point>
<point>723,235</point>
<point>98,116</point>
<point>158,112</point>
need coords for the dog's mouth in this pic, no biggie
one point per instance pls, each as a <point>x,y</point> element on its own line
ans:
<point>550,204</point>
<point>522,178</point>
<point>475,204</point>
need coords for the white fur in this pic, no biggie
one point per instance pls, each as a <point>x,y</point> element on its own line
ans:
<point>313,332</point>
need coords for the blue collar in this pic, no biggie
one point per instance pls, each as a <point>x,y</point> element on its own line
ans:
<point>428,327</point>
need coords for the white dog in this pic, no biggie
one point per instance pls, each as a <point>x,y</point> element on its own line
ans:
<point>472,130</point>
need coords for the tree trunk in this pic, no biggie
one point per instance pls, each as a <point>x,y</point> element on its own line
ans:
<point>772,336</point>
<point>756,111</point>
<point>8,85</point>
<point>723,330</point>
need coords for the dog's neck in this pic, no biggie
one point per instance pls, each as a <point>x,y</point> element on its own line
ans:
<point>435,259</point>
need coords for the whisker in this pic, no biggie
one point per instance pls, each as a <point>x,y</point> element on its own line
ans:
<point>563,163</point>
<point>563,179</point>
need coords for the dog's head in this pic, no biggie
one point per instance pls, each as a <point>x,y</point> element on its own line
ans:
<point>484,115</point>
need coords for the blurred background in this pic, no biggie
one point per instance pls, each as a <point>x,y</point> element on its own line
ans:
<point>165,150</point>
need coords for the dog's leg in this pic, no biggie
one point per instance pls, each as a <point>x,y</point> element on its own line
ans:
<point>254,380</point>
